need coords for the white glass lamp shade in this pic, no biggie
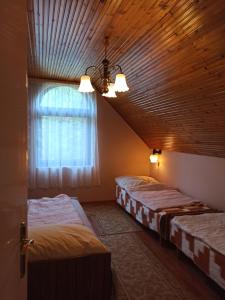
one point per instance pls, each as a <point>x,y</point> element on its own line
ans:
<point>154,158</point>
<point>111,92</point>
<point>85,84</point>
<point>120,83</point>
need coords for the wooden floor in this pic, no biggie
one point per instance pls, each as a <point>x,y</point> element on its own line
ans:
<point>181,266</point>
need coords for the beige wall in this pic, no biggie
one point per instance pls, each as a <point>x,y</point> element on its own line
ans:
<point>202,177</point>
<point>121,152</point>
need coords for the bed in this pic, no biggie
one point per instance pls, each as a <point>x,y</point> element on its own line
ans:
<point>202,239</point>
<point>154,204</point>
<point>67,260</point>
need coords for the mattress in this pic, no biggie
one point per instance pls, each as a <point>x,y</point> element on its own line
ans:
<point>141,213</point>
<point>155,209</point>
<point>202,239</point>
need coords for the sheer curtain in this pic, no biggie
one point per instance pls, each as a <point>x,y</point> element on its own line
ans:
<point>63,142</point>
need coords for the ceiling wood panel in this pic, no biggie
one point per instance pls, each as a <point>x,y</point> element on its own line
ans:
<point>172,51</point>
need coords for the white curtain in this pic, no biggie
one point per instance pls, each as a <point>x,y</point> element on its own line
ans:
<point>63,142</point>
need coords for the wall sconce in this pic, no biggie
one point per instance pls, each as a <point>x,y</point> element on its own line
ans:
<point>154,157</point>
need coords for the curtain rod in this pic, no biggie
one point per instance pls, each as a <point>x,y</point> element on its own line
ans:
<point>53,80</point>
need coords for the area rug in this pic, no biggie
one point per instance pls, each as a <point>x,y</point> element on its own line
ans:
<point>137,273</point>
<point>109,219</point>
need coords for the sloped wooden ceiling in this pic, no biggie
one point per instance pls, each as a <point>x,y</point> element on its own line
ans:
<point>173,53</point>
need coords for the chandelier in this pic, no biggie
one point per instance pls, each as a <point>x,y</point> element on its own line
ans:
<point>108,87</point>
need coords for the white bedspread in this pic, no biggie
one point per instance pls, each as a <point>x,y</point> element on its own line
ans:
<point>210,228</point>
<point>57,210</point>
<point>157,200</point>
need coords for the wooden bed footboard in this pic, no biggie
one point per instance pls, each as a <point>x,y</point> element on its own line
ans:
<point>80,278</point>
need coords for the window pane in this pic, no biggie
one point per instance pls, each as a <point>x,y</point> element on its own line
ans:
<point>64,141</point>
<point>61,97</point>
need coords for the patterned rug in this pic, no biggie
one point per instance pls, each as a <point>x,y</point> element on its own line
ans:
<point>109,219</point>
<point>137,273</point>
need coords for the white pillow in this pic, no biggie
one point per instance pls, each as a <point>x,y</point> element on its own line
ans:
<point>127,182</point>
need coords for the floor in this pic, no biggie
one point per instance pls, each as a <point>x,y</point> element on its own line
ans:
<point>180,266</point>
<point>183,268</point>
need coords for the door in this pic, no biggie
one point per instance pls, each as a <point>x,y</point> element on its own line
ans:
<point>13,145</point>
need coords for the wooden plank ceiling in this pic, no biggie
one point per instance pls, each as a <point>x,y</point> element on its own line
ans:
<point>172,52</point>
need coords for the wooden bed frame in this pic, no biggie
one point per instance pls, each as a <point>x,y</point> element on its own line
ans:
<point>72,279</point>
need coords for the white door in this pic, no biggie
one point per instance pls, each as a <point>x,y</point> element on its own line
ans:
<point>13,139</point>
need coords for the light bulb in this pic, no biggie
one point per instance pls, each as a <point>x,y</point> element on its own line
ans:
<point>154,158</point>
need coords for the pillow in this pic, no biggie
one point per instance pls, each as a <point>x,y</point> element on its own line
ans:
<point>127,182</point>
<point>150,187</point>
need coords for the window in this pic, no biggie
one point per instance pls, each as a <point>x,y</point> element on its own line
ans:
<point>63,136</point>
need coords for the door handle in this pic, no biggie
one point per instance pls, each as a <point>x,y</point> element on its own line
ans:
<point>24,244</point>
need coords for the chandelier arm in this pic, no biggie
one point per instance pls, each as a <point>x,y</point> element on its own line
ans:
<point>93,67</point>
<point>118,67</point>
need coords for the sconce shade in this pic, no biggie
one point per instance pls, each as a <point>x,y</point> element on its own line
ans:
<point>85,84</point>
<point>111,91</point>
<point>154,158</point>
<point>120,83</point>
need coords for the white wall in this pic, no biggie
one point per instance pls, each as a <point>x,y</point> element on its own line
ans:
<point>199,176</point>
<point>121,152</point>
